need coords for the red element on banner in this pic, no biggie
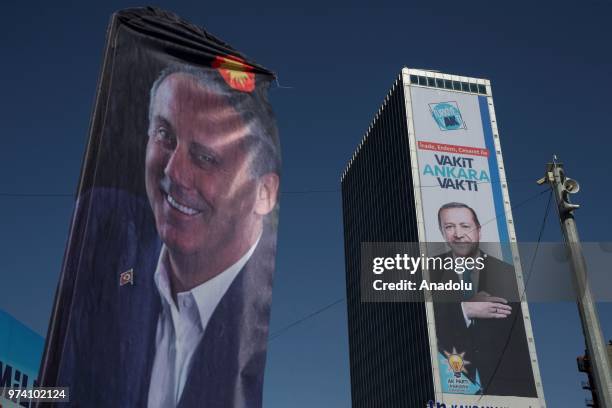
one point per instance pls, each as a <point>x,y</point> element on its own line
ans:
<point>236,73</point>
<point>446,148</point>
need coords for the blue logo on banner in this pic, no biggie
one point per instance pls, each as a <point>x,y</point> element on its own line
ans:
<point>447,115</point>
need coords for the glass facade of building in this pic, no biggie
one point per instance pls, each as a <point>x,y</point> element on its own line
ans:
<point>388,342</point>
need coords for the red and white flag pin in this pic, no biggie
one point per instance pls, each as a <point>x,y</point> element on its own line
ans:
<point>126,277</point>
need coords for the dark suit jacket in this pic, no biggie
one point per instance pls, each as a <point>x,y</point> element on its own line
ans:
<point>109,336</point>
<point>496,347</point>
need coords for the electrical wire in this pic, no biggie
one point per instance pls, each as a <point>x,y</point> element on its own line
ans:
<point>26,195</point>
<point>522,297</point>
<point>328,306</point>
<point>34,195</point>
<point>279,332</point>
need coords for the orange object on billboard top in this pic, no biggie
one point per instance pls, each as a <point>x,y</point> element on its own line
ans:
<point>235,72</point>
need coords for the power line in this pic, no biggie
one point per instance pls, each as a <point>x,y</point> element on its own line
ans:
<point>322,309</point>
<point>309,316</point>
<point>51,195</point>
<point>513,207</point>
<point>323,191</point>
<point>281,331</point>
<point>35,195</point>
<point>522,297</point>
<point>310,191</point>
<point>516,180</point>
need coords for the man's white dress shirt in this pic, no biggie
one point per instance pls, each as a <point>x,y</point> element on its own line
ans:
<point>180,328</point>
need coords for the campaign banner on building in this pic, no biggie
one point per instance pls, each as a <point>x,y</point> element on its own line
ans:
<point>165,292</point>
<point>482,352</point>
<point>20,352</point>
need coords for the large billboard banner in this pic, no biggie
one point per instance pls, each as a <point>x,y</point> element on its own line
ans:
<point>164,297</point>
<point>482,354</point>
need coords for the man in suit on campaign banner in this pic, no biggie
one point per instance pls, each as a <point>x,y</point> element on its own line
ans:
<point>481,328</point>
<point>172,294</point>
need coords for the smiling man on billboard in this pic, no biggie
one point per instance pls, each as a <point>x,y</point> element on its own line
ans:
<point>165,294</point>
<point>210,183</point>
<point>481,328</point>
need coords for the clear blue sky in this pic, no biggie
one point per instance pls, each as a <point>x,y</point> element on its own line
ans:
<point>549,63</point>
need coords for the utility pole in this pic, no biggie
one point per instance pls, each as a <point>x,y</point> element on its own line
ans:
<point>596,347</point>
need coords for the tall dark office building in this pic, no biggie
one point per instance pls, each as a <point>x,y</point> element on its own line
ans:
<point>388,345</point>
<point>427,121</point>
